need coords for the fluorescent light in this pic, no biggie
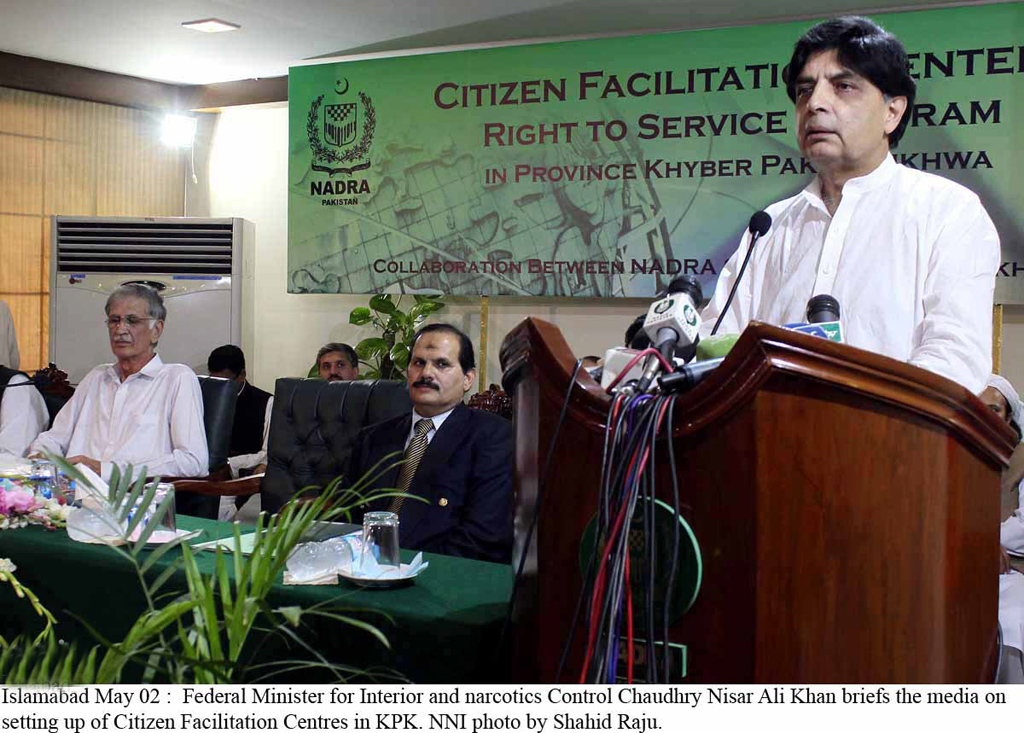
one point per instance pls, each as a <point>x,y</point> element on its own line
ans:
<point>211,25</point>
<point>178,131</point>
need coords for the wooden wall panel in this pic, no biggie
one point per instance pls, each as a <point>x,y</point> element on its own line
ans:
<point>61,156</point>
<point>21,175</point>
<point>21,113</point>
<point>70,187</point>
<point>22,254</point>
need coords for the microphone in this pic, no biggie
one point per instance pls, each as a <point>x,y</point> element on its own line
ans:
<point>822,309</point>
<point>687,377</point>
<point>822,319</point>
<point>672,322</point>
<point>759,225</point>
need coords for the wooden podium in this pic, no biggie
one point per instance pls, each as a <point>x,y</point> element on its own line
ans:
<point>846,507</point>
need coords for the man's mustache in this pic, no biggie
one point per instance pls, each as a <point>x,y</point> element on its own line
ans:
<point>426,383</point>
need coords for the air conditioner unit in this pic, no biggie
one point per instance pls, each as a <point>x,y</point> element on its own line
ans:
<point>196,264</point>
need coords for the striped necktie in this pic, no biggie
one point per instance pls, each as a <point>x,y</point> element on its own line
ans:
<point>413,454</point>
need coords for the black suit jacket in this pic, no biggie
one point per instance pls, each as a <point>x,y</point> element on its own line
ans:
<point>465,475</point>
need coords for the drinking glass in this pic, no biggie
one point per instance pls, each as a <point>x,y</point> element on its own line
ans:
<point>380,537</point>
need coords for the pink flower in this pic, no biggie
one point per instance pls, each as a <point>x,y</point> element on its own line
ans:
<point>17,502</point>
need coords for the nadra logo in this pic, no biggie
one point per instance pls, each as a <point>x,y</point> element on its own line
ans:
<point>343,143</point>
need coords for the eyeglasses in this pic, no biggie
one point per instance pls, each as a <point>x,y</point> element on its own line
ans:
<point>131,321</point>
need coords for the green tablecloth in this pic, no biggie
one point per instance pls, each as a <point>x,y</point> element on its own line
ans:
<point>443,628</point>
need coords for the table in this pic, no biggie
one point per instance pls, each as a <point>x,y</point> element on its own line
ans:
<point>443,628</point>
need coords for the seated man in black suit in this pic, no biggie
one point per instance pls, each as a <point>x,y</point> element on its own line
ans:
<point>247,454</point>
<point>459,460</point>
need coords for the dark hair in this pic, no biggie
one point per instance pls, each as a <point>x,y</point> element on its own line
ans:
<point>864,47</point>
<point>347,351</point>
<point>636,328</point>
<point>467,360</point>
<point>226,358</point>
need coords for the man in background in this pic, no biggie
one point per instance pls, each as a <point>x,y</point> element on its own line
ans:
<point>137,410</point>
<point>337,363</point>
<point>247,454</point>
<point>23,413</point>
<point>1001,397</point>
<point>457,461</point>
<point>9,356</point>
<point>248,449</point>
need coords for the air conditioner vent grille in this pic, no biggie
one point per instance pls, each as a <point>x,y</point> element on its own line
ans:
<point>186,247</point>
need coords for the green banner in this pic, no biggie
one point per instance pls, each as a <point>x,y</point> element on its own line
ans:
<point>606,167</point>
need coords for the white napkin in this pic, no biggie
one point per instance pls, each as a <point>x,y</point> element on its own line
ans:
<point>368,567</point>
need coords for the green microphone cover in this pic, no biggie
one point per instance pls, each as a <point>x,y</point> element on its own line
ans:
<point>714,347</point>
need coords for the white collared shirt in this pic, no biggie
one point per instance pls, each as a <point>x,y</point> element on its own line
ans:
<point>438,420</point>
<point>911,257</point>
<point>154,418</point>
<point>23,415</point>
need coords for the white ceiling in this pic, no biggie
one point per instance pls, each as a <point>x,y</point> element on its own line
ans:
<point>144,37</point>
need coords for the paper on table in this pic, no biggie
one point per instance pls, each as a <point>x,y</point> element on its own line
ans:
<point>162,536</point>
<point>246,543</point>
<point>100,488</point>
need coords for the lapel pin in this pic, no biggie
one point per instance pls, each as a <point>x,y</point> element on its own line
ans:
<point>442,501</point>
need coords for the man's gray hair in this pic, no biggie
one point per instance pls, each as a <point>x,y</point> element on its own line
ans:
<point>154,302</point>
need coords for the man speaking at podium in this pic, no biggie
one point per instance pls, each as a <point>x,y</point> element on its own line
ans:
<point>911,257</point>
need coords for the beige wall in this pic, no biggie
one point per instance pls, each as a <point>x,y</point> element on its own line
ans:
<point>68,157</point>
<point>247,177</point>
<point>248,173</point>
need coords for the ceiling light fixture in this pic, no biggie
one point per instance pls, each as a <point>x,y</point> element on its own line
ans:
<point>211,25</point>
<point>179,131</point>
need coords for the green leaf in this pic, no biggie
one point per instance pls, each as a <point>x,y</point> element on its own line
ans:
<point>425,309</point>
<point>382,303</point>
<point>400,356</point>
<point>428,299</point>
<point>293,614</point>
<point>359,316</point>
<point>371,347</point>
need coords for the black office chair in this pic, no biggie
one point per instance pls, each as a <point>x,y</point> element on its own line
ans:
<point>219,397</point>
<point>313,428</point>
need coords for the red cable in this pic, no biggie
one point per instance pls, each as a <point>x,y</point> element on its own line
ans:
<point>629,625</point>
<point>635,359</point>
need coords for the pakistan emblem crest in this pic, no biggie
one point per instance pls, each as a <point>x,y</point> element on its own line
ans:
<point>344,143</point>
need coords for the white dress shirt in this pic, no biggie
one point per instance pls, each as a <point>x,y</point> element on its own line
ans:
<point>23,415</point>
<point>1011,585</point>
<point>1011,531</point>
<point>154,418</point>
<point>438,421</point>
<point>9,356</point>
<point>911,257</point>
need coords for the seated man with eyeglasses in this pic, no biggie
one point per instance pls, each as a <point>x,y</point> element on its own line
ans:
<point>137,410</point>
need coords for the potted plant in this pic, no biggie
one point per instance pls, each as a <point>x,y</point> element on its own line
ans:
<point>387,355</point>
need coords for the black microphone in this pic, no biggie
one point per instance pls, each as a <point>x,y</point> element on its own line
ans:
<point>759,225</point>
<point>822,309</point>
<point>686,378</point>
